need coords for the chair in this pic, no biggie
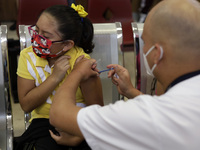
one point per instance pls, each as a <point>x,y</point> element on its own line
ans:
<point>29,10</point>
<point>143,80</point>
<point>6,125</point>
<point>106,11</point>
<point>107,40</point>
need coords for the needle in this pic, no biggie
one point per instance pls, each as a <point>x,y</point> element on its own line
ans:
<point>105,70</point>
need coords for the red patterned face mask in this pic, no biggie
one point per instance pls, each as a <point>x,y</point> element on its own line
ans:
<point>41,45</point>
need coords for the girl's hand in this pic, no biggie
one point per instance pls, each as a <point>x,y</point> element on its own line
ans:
<point>60,67</point>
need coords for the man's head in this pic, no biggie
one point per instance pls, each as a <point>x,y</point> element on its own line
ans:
<point>176,20</point>
<point>174,26</point>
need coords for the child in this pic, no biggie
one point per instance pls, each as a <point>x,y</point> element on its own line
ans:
<point>60,36</point>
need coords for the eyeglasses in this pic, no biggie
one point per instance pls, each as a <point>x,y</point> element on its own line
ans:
<point>41,38</point>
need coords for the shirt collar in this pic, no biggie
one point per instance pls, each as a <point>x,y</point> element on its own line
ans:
<point>182,78</point>
<point>41,62</point>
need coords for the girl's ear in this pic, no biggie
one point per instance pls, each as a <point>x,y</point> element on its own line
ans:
<point>69,44</point>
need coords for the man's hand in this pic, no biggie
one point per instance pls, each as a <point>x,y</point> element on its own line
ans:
<point>121,78</point>
<point>66,139</point>
<point>85,67</point>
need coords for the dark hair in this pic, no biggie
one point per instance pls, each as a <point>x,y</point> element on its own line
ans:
<point>72,26</point>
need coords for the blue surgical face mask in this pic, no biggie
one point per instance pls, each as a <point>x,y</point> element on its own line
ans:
<point>150,71</point>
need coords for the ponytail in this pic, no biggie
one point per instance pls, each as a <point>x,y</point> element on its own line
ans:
<point>87,35</point>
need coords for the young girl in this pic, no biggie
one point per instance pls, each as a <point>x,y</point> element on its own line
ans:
<point>60,36</point>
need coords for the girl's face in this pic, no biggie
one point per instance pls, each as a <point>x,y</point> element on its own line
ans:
<point>48,28</point>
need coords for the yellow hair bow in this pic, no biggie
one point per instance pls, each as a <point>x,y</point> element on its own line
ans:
<point>80,9</point>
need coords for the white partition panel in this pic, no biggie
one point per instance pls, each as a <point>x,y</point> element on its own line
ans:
<point>107,40</point>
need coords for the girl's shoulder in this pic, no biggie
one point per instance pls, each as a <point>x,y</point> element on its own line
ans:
<point>26,51</point>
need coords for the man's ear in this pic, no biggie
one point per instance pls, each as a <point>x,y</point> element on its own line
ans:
<point>68,45</point>
<point>159,53</point>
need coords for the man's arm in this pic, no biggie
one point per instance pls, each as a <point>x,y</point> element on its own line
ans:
<point>66,139</point>
<point>63,112</point>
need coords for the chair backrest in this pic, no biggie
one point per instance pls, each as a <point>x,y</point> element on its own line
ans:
<point>107,40</point>
<point>143,81</point>
<point>6,125</point>
<point>104,11</point>
<point>29,10</point>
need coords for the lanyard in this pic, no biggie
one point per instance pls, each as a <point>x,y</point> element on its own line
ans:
<point>182,78</point>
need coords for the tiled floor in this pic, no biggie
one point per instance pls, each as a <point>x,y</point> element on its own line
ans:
<point>18,114</point>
